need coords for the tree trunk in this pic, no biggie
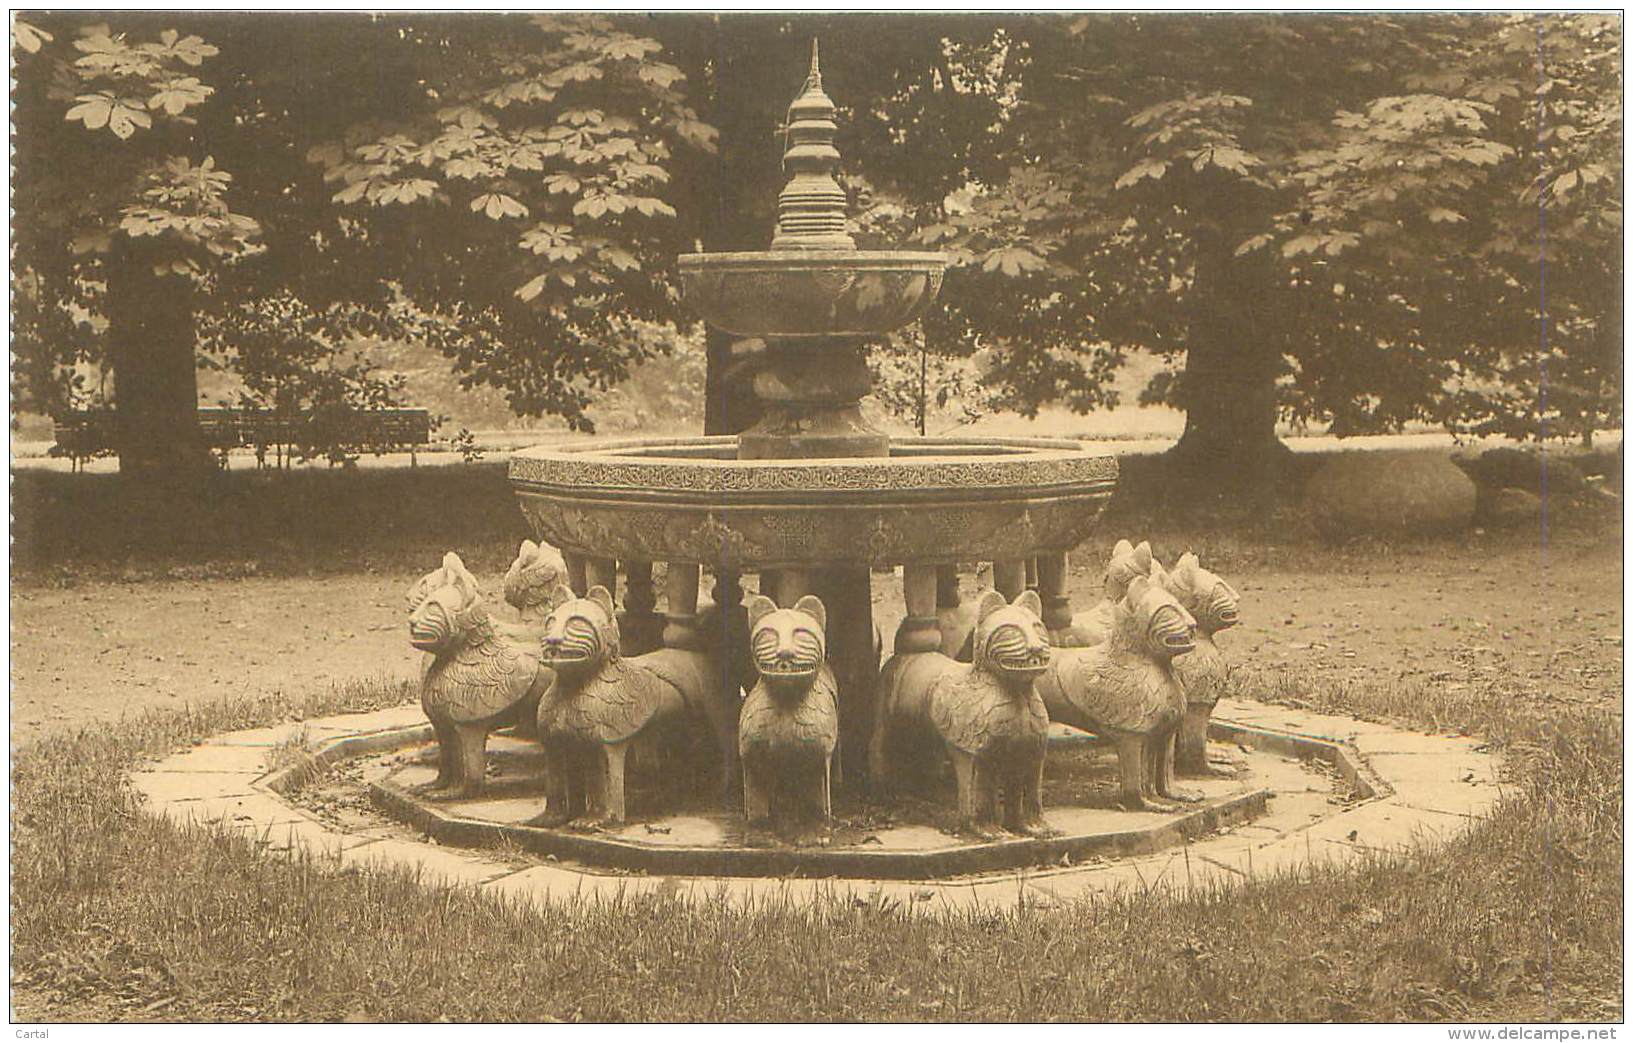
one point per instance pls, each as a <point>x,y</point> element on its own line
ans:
<point>1228,391</point>
<point>743,197</point>
<point>155,374</point>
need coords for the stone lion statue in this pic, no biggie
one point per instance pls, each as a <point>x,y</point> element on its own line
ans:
<point>1204,672</point>
<point>789,725</point>
<point>1093,626</point>
<point>537,571</point>
<point>601,702</point>
<point>1126,690</point>
<point>476,676</point>
<point>987,714</point>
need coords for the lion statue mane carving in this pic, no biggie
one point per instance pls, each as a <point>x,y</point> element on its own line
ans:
<point>1204,672</point>
<point>1125,690</point>
<point>476,676</point>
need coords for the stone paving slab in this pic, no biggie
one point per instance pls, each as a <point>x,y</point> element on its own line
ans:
<point>250,760</point>
<point>405,715</point>
<point>1385,826</point>
<point>290,732</point>
<point>1372,744</point>
<point>165,787</point>
<point>1432,787</point>
<point>1304,722</point>
<point>316,838</point>
<point>1468,801</point>
<point>250,812</point>
<point>1455,764</point>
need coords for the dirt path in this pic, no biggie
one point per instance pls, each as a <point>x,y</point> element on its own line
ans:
<point>101,650</point>
<point>97,651</point>
<point>1553,622</point>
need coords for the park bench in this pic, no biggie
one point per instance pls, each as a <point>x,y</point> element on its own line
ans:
<point>82,434</point>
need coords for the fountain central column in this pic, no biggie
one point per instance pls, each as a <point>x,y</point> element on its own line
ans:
<point>810,389</point>
<point>814,300</point>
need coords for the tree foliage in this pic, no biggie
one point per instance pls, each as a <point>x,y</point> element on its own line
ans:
<point>527,205</point>
<point>286,363</point>
<point>82,186</point>
<point>1358,220</point>
<point>1349,210</point>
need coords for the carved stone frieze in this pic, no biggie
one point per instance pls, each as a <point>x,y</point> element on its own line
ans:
<point>933,501</point>
<point>926,464</point>
<point>795,533</point>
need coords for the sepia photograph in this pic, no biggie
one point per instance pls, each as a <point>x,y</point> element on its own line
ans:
<point>1102,517</point>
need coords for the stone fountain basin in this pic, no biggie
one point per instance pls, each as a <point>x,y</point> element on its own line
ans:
<point>905,839</point>
<point>811,293</point>
<point>931,501</point>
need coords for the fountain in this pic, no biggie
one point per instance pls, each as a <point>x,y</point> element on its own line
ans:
<point>526,726</point>
<point>813,499</point>
<point>799,710</point>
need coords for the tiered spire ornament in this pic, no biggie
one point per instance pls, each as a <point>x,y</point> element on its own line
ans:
<point>811,207</point>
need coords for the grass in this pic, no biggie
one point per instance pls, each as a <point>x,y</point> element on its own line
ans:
<point>118,915</point>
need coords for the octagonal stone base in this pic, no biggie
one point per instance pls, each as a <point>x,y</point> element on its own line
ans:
<point>908,840</point>
<point>1340,789</point>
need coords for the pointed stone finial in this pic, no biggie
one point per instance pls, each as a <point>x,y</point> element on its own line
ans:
<point>811,207</point>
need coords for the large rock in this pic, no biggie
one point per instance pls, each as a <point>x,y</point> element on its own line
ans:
<point>1509,507</point>
<point>1389,494</point>
<point>1505,467</point>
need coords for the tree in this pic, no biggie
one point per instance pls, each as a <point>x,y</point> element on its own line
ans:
<point>132,235</point>
<point>1313,209</point>
<point>1552,257</point>
<point>521,207</point>
<point>127,163</point>
<point>288,365</point>
<point>155,182</point>
<point>1331,217</point>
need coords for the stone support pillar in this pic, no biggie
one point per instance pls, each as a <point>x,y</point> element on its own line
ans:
<point>603,572</point>
<point>919,631</point>
<point>680,607</point>
<point>1052,588</point>
<point>577,573</point>
<point>1009,578</point>
<point>640,624</point>
<point>786,586</point>
<point>853,654</point>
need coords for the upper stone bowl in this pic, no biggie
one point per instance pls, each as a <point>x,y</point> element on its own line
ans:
<point>811,293</point>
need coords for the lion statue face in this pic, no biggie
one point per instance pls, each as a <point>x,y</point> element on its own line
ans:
<point>789,645</point>
<point>538,569</point>
<point>1010,638</point>
<point>1126,562</point>
<point>1207,597</point>
<point>580,633</point>
<point>444,607</point>
<point>437,577</point>
<point>1154,621</point>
